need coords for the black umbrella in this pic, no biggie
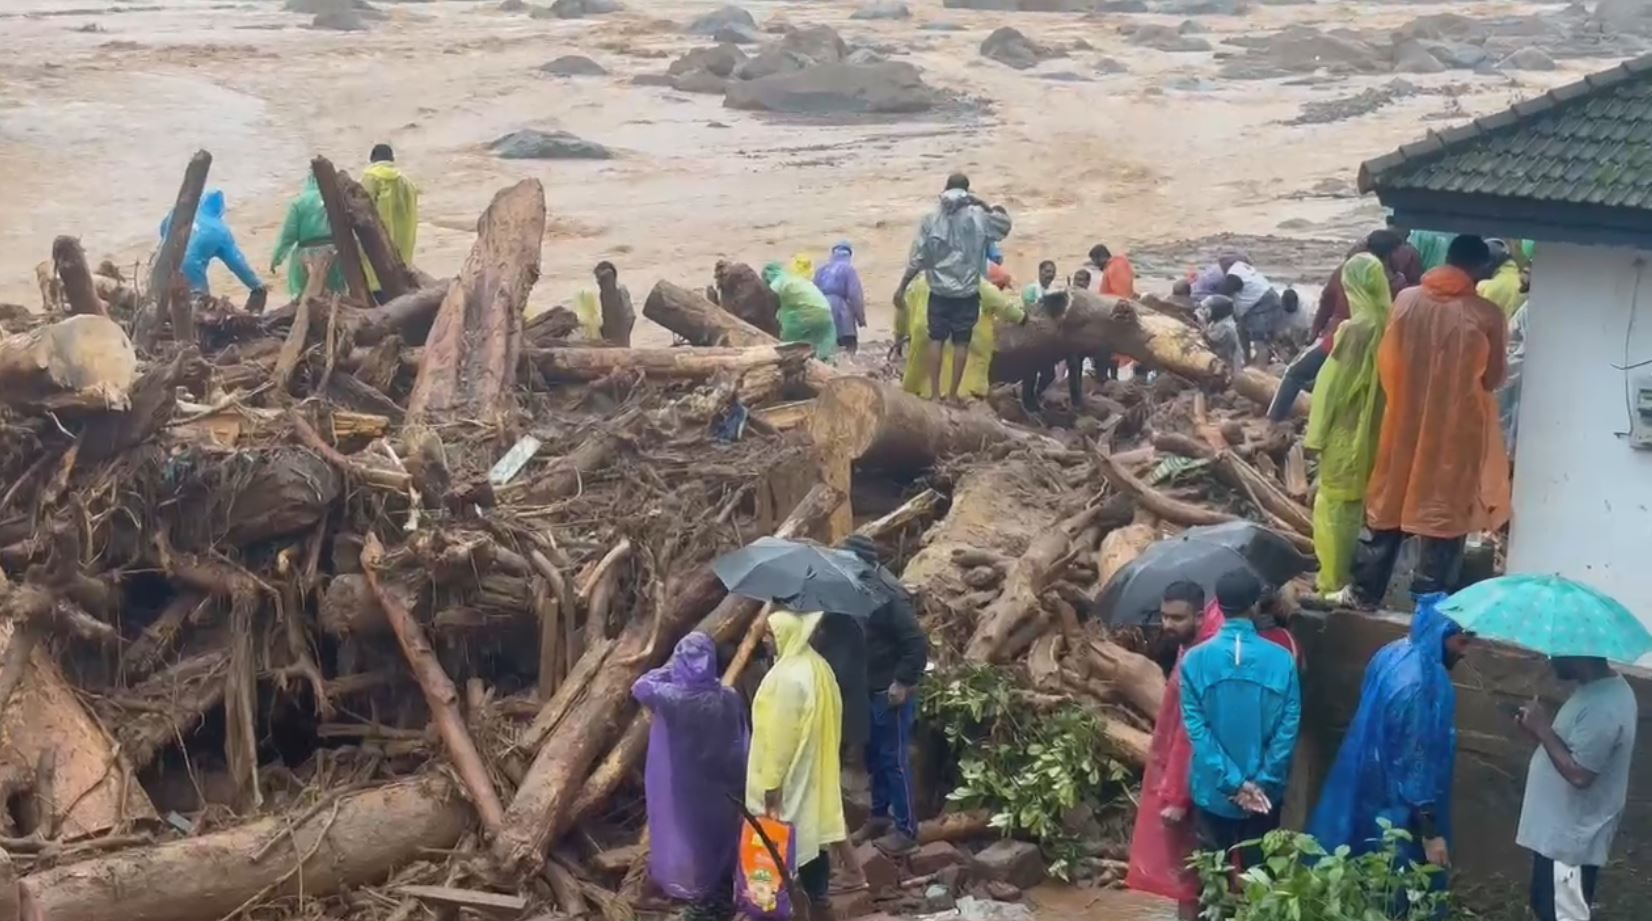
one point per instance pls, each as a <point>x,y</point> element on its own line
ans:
<point>1201,555</point>
<point>801,576</point>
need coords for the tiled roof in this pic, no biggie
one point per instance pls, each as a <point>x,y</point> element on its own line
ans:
<point>1587,143</point>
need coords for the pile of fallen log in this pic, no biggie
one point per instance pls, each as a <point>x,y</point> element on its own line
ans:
<point>341,600</point>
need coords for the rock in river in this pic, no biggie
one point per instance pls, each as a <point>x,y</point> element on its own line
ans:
<point>573,65</point>
<point>533,144</point>
<point>882,9</point>
<point>836,89</point>
<point>1008,46</point>
<point>712,22</point>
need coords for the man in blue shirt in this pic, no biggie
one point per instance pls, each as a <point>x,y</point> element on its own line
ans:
<point>1242,706</point>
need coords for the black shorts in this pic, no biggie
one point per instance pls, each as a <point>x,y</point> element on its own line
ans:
<point>953,318</point>
<point>1220,833</point>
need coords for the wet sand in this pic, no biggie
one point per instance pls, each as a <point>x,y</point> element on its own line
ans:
<point>96,126</point>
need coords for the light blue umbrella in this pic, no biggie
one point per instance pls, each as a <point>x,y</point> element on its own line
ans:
<point>1551,615</point>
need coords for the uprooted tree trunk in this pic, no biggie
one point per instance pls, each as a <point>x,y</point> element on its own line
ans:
<point>164,272</point>
<point>700,322</point>
<point>82,363</point>
<point>360,839</point>
<point>389,269</point>
<point>589,364</point>
<point>471,354</point>
<point>69,262</point>
<point>344,237</point>
<point>543,807</point>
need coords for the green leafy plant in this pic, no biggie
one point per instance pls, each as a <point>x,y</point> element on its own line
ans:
<point>1028,766</point>
<point>1298,880</point>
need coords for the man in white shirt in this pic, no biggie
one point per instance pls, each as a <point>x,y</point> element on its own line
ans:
<point>1256,305</point>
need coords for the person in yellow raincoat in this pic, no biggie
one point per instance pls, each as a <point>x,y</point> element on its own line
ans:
<point>1441,470</point>
<point>803,265</point>
<point>792,772</point>
<point>805,314</point>
<point>396,199</point>
<point>913,322</point>
<point>1347,418</point>
<point>1503,287</point>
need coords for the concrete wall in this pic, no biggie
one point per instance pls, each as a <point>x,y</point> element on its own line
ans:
<point>1493,874</point>
<point>1582,496</point>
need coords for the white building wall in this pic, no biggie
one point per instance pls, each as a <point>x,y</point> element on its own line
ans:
<point>1582,496</point>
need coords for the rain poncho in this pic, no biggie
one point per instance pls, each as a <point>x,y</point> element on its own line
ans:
<point>696,759</point>
<point>1431,247</point>
<point>805,315</point>
<point>1347,418</point>
<point>1117,278</point>
<point>1441,469</point>
<point>839,281</point>
<point>1503,288</point>
<point>396,199</point>
<point>796,718</point>
<point>210,238</point>
<point>951,242</point>
<point>1508,396</point>
<point>1396,760</point>
<point>996,307</point>
<point>1158,850</point>
<point>803,265</point>
<point>306,225</point>
<point>1242,705</point>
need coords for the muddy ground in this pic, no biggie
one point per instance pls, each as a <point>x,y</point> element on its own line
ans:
<point>101,103</point>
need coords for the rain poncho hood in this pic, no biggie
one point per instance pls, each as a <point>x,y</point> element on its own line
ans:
<point>996,307</point>
<point>803,265</point>
<point>306,225</point>
<point>396,199</point>
<point>805,314</point>
<point>210,238</point>
<point>796,720</point>
<point>1158,850</point>
<point>951,245</point>
<point>1242,706</point>
<point>1441,469</point>
<point>1503,288</point>
<point>1346,419</point>
<point>839,281</point>
<point>1396,760</point>
<point>697,749</point>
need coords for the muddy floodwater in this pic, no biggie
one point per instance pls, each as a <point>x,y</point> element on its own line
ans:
<point>102,103</point>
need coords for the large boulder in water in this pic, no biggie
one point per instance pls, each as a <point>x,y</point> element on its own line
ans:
<point>1165,38</point>
<point>339,21</point>
<point>573,65</point>
<point>797,50</point>
<point>837,89</point>
<point>316,7</point>
<point>1009,47</point>
<point>1022,6</point>
<point>717,19</point>
<point>533,144</point>
<point>1635,15</point>
<point>1527,59</point>
<point>719,61</point>
<point>882,9</point>
<point>1410,57</point>
<point>578,9</point>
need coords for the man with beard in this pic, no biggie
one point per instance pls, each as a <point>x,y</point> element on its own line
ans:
<point>1164,836</point>
<point>1396,760</point>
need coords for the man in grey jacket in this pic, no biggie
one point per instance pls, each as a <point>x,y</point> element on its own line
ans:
<point>951,251</point>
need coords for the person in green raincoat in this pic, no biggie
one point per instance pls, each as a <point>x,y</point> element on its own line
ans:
<point>805,314</point>
<point>913,321</point>
<point>1346,419</point>
<point>306,226</point>
<point>396,199</point>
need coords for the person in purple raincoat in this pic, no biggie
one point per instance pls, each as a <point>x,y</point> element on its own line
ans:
<point>696,759</point>
<point>839,281</point>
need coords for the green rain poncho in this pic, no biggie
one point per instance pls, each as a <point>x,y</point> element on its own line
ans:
<point>805,314</point>
<point>1346,419</point>
<point>306,226</point>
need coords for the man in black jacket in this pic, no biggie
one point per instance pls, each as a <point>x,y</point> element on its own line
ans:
<point>896,653</point>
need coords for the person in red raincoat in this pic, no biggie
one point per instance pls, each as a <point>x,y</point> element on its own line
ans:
<point>1164,835</point>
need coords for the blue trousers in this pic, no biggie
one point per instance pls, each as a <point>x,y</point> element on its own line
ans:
<point>887,761</point>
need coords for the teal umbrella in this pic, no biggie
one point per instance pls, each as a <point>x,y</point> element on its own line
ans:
<point>1551,615</point>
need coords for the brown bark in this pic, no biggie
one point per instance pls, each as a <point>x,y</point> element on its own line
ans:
<point>1120,547</point>
<point>344,238</point>
<point>389,269</point>
<point>1092,323</point>
<point>881,426</point>
<point>618,316</point>
<point>1173,510</point>
<point>409,316</point>
<point>589,364</point>
<point>82,363</point>
<point>956,826</point>
<point>1136,678</point>
<point>699,321</point>
<point>565,474</point>
<point>360,839</point>
<point>1287,516</point>
<point>741,291</point>
<point>471,355</point>
<point>1259,386</point>
<point>69,261</point>
<point>918,510</point>
<point>439,694</point>
<point>1029,575</point>
<point>543,808</point>
<point>159,711</point>
<point>163,273</point>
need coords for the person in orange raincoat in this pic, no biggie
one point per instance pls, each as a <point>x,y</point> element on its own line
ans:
<point>1115,277</point>
<point>1164,835</point>
<point>1441,469</point>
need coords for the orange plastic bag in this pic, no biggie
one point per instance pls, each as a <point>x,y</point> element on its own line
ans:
<point>760,886</point>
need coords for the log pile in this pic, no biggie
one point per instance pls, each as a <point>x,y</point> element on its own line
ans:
<point>340,604</point>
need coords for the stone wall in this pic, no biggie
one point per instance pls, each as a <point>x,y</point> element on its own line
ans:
<point>1493,875</point>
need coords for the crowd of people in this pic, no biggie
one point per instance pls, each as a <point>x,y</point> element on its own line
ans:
<point>840,695</point>
<point>1225,736</point>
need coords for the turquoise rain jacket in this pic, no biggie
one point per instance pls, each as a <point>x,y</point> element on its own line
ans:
<point>211,239</point>
<point>1242,705</point>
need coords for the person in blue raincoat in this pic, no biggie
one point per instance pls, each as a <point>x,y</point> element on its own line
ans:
<point>1396,760</point>
<point>211,239</point>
